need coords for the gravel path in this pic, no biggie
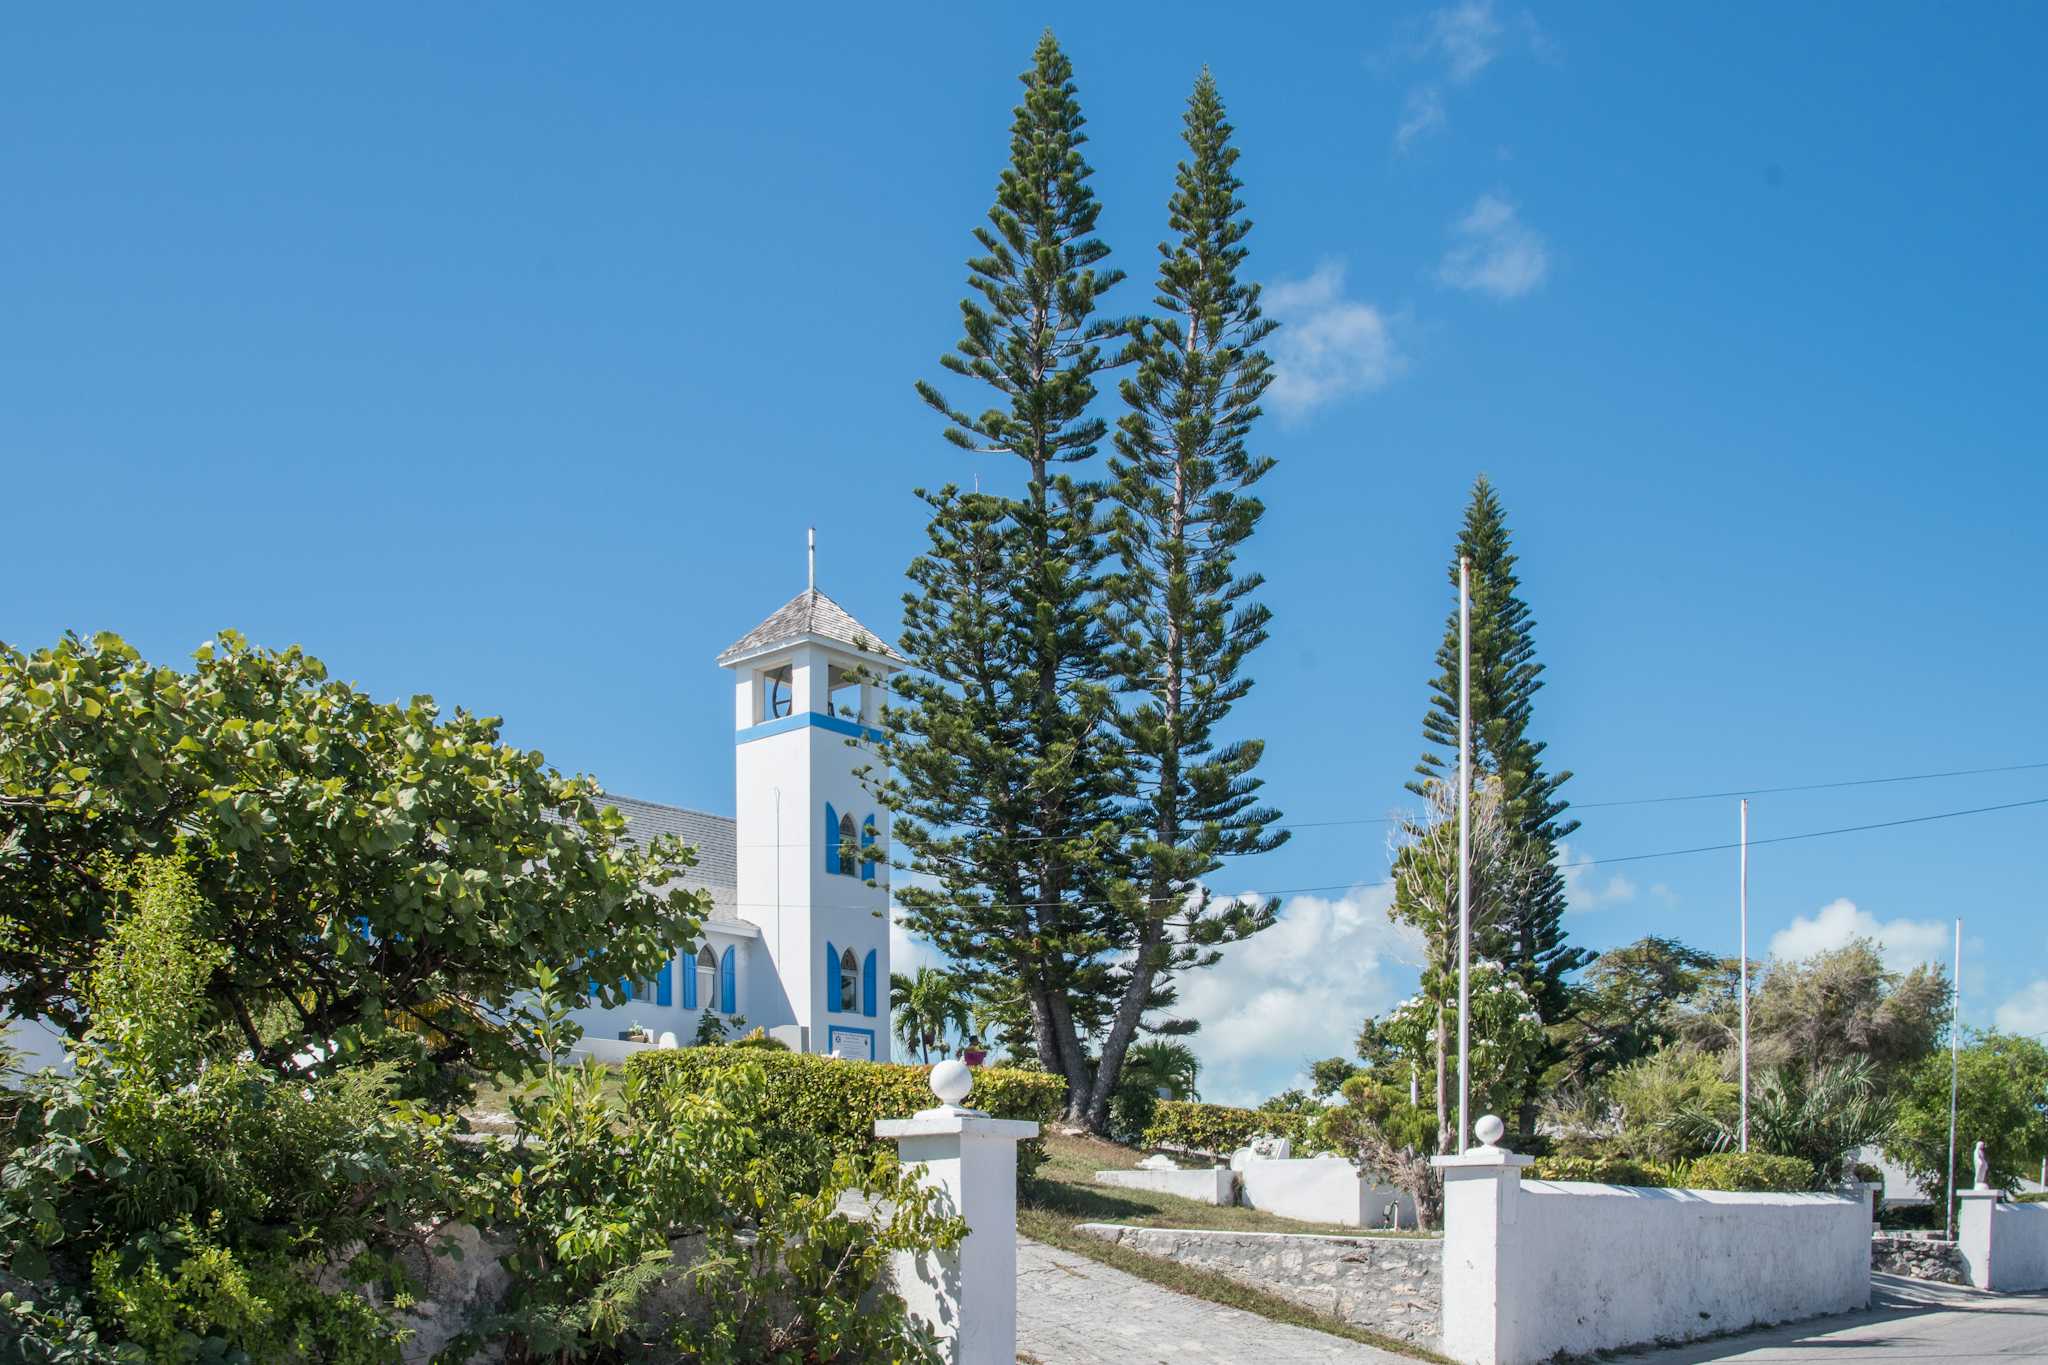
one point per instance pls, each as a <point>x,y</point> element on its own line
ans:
<point>1074,1311</point>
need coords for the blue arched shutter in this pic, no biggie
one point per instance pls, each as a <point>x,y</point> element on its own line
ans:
<point>867,864</point>
<point>690,983</point>
<point>728,983</point>
<point>831,839</point>
<point>831,977</point>
<point>626,985</point>
<point>867,985</point>
<point>664,988</point>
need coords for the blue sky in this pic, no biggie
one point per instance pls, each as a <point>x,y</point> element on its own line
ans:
<point>505,356</point>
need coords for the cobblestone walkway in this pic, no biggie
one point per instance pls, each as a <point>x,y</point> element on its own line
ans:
<point>1074,1311</point>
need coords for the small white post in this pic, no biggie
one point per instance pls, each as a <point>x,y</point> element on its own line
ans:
<point>1743,896</point>
<point>1483,1315</point>
<point>969,1294</point>
<point>1975,1238</point>
<point>1464,848</point>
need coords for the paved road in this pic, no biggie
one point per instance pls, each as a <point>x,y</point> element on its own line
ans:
<point>1908,1320</point>
<point>1074,1311</point>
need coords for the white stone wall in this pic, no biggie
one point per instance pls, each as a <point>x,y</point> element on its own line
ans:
<point>2004,1245</point>
<point>1203,1185</point>
<point>1534,1268</point>
<point>1326,1189</point>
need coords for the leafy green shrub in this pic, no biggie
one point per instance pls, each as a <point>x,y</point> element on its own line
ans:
<point>167,1203</point>
<point>838,1102</point>
<point>1600,1170</point>
<point>600,1192</point>
<point>1749,1171</point>
<point>1220,1129</point>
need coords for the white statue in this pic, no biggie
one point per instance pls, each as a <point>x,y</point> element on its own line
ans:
<point>1983,1167</point>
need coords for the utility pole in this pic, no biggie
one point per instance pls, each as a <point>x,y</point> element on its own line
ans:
<point>1743,899</point>
<point>1464,850</point>
<point>1955,1043</point>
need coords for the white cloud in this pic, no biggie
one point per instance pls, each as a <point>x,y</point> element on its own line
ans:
<point>1903,943</point>
<point>1329,346</point>
<point>2027,1012</point>
<point>1495,252</point>
<point>1422,112</point>
<point>907,954</point>
<point>1582,892</point>
<point>1459,42</point>
<point>1467,36</point>
<point>1296,992</point>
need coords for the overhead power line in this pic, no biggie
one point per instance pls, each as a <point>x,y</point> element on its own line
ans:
<point>1588,862</point>
<point>1610,805</point>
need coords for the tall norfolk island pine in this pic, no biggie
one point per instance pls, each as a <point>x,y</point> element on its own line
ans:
<point>1184,616</point>
<point>1505,679</point>
<point>1017,776</point>
<point>1007,776</point>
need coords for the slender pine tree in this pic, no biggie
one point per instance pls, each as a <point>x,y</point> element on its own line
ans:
<point>1184,616</point>
<point>1505,680</point>
<point>1008,779</point>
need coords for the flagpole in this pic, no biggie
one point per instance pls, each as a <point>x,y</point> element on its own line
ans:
<point>1743,898</point>
<point>1464,848</point>
<point>1955,1042</point>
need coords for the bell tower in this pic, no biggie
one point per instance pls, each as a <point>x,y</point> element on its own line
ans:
<point>812,865</point>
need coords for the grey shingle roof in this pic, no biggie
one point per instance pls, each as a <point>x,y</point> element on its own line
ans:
<point>713,836</point>
<point>809,613</point>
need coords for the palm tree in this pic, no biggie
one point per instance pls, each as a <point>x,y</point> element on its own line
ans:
<point>925,1006</point>
<point>1820,1116</point>
<point>1165,1067</point>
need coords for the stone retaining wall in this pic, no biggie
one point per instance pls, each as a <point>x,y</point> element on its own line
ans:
<point>1921,1258</point>
<point>1392,1285</point>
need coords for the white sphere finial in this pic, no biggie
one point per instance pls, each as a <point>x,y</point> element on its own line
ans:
<point>951,1080</point>
<point>1489,1130</point>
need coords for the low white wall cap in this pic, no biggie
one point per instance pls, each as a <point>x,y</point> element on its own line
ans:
<point>1482,1158</point>
<point>1974,1193</point>
<point>960,1122</point>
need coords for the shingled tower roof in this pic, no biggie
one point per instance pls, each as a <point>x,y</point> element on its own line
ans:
<point>809,615</point>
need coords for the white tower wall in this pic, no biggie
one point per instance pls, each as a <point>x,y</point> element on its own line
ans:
<point>789,770</point>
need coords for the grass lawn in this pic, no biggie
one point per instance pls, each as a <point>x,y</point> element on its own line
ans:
<point>1064,1193</point>
<point>1065,1187</point>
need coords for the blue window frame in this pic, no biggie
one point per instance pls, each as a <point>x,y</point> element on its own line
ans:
<point>867,984</point>
<point>728,983</point>
<point>690,985</point>
<point>867,841</point>
<point>664,986</point>
<point>831,839</point>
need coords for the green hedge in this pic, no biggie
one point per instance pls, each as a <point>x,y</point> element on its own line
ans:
<point>1218,1129</point>
<point>1600,1170</point>
<point>1750,1171</point>
<point>1722,1171</point>
<point>841,1101</point>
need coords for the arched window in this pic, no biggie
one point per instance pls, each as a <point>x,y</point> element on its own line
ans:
<point>849,982</point>
<point>707,978</point>
<point>849,837</point>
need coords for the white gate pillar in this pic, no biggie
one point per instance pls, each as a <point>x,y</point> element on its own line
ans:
<point>969,1294</point>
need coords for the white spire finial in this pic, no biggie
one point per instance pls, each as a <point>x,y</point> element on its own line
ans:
<point>811,545</point>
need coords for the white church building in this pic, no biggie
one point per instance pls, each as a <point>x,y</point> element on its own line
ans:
<point>797,941</point>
